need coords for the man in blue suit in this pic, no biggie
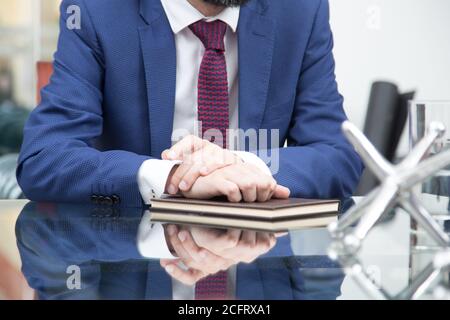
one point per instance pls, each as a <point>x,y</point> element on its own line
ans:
<point>126,79</point>
<point>134,81</point>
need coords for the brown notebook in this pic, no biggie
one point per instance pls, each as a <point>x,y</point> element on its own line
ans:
<point>274,216</point>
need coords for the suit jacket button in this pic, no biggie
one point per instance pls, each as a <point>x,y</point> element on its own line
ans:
<point>101,200</point>
<point>108,201</point>
<point>115,199</point>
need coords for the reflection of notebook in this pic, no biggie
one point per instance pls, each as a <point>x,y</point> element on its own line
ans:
<point>275,215</point>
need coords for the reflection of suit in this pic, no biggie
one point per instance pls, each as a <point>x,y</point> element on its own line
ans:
<point>103,245</point>
<point>110,102</point>
<point>278,278</point>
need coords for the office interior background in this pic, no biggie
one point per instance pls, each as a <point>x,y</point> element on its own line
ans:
<point>406,42</point>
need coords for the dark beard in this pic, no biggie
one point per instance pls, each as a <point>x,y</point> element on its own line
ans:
<point>227,3</point>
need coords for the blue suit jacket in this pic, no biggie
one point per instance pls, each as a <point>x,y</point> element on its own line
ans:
<point>110,103</point>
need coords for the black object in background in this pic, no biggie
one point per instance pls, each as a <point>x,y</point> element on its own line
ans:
<point>385,120</point>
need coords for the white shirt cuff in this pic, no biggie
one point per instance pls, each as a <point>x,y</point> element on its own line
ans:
<point>151,240</point>
<point>253,159</point>
<point>152,178</point>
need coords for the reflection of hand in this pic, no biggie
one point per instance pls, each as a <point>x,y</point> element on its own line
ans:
<point>235,245</point>
<point>199,262</point>
<point>200,158</point>
<point>237,182</point>
<point>207,251</point>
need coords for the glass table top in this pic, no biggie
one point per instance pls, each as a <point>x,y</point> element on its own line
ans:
<point>65,251</point>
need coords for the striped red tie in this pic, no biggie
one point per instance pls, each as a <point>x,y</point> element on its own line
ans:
<point>214,287</point>
<point>213,110</point>
<point>214,116</point>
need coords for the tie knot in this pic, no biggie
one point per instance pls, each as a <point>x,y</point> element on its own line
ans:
<point>211,34</point>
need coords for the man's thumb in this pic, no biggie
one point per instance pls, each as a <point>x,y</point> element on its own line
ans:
<point>281,192</point>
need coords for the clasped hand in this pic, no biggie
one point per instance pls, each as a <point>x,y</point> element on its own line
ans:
<point>204,251</point>
<point>209,171</point>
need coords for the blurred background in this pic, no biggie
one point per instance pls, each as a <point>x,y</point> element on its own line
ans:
<point>406,42</point>
<point>28,33</point>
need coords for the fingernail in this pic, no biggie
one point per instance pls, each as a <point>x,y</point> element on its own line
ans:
<point>183,186</point>
<point>203,255</point>
<point>170,269</point>
<point>182,236</point>
<point>172,189</point>
<point>171,230</point>
<point>171,155</point>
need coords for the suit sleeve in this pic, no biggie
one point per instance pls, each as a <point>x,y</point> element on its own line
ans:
<point>318,162</point>
<point>58,161</point>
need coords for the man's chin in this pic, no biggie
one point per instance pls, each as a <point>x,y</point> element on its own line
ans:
<point>227,3</point>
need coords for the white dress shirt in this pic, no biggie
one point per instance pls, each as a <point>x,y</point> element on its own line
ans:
<point>153,174</point>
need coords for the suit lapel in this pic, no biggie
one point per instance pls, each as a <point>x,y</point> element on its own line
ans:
<point>256,44</point>
<point>159,56</point>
